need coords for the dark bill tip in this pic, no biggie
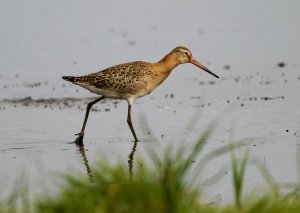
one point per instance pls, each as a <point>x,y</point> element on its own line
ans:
<point>201,66</point>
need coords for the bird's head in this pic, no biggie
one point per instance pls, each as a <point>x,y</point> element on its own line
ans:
<point>183,55</point>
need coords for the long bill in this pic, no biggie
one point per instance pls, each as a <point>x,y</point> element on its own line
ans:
<point>201,66</point>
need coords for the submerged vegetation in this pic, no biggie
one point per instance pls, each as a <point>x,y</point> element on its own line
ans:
<point>165,184</point>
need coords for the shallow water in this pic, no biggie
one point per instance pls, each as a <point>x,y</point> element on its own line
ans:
<point>40,112</point>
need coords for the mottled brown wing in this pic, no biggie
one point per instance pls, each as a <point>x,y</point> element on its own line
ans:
<point>123,78</point>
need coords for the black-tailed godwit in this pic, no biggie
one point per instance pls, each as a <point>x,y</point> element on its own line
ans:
<point>130,81</point>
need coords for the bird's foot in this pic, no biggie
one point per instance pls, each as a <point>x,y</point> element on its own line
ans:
<point>79,139</point>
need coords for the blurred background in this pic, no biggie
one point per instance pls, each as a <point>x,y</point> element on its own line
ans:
<point>45,39</point>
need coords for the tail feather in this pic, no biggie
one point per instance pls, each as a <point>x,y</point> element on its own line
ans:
<point>69,78</point>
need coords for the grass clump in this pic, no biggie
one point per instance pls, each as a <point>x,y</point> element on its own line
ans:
<point>113,191</point>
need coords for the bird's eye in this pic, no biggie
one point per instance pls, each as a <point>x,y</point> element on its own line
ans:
<point>186,53</point>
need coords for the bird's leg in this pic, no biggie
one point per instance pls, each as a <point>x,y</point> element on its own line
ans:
<point>130,123</point>
<point>79,139</point>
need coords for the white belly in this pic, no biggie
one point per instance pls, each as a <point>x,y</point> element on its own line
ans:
<point>108,93</point>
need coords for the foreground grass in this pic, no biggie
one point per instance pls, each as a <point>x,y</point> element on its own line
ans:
<point>162,191</point>
<point>112,191</point>
<point>160,187</point>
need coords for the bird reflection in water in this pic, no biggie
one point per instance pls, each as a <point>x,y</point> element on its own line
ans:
<point>131,158</point>
<point>81,149</point>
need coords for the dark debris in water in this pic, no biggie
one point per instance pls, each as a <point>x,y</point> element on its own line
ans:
<point>263,98</point>
<point>281,64</point>
<point>169,95</point>
<point>195,97</point>
<point>250,99</point>
<point>236,79</point>
<point>51,103</point>
<point>32,85</point>
<point>208,82</point>
<point>132,43</point>
<point>226,67</point>
<point>268,98</point>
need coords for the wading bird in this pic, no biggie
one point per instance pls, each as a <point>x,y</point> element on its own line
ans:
<point>130,81</point>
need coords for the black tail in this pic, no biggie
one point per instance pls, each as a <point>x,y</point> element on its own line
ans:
<point>69,78</point>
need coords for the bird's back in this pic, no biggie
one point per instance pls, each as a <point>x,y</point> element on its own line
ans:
<point>119,81</point>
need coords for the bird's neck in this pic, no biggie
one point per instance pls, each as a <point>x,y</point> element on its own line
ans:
<point>167,63</point>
